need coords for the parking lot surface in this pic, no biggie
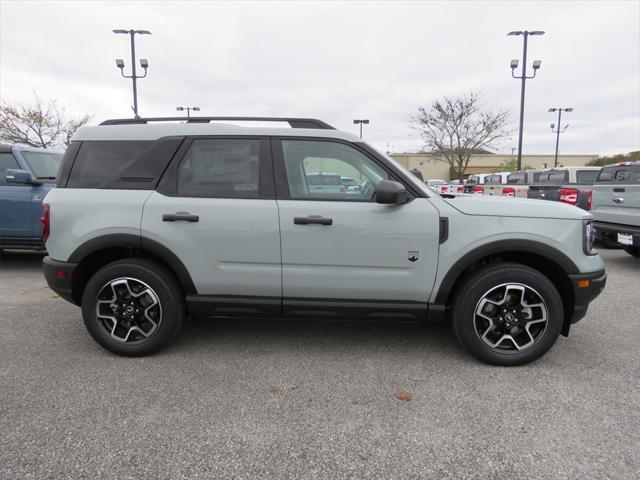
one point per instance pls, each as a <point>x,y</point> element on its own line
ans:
<point>292,399</point>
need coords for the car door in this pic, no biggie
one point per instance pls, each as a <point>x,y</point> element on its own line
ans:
<point>215,209</point>
<point>15,203</point>
<point>343,252</point>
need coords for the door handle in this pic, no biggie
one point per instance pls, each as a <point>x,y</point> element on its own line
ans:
<point>180,217</point>
<point>313,219</point>
<point>618,200</point>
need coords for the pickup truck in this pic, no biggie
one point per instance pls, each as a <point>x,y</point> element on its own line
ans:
<point>571,185</point>
<point>475,182</point>
<point>518,183</point>
<point>493,183</point>
<point>616,205</point>
<point>26,176</point>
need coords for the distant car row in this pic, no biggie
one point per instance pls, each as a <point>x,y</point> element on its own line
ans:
<point>611,194</point>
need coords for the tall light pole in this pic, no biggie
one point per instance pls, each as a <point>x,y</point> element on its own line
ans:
<point>361,122</point>
<point>188,109</point>
<point>523,78</point>
<point>558,130</point>
<point>143,63</point>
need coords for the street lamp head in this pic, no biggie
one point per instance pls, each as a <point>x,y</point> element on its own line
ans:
<point>195,109</point>
<point>120,30</point>
<point>119,63</point>
<point>515,32</point>
<point>142,32</point>
<point>144,63</point>
<point>570,109</point>
<point>536,32</point>
<point>536,64</point>
<point>180,109</point>
<point>553,109</point>
<point>366,122</point>
<point>514,63</point>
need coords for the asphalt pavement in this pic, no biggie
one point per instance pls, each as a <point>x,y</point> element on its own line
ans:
<point>293,399</point>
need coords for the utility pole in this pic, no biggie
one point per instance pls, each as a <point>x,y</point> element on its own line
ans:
<point>143,63</point>
<point>558,129</point>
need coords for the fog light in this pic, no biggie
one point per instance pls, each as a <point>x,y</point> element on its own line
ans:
<point>583,283</point>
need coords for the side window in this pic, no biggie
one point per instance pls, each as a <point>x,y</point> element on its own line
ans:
<point>317,169</point>
<point>6,161</point>
<point>587,176</point>
<point>97,161</point>
<point>220,168</point>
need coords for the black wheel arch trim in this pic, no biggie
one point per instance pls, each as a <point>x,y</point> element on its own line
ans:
<point>501,246</point>
<point>136,243</point>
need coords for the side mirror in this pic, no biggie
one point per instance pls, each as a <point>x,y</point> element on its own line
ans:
<point>390,192</point>
<point>20,177</point>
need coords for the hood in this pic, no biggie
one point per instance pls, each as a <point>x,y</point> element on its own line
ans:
<point>514,207</point>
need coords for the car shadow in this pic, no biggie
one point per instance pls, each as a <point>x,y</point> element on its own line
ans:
<point>20,260</point>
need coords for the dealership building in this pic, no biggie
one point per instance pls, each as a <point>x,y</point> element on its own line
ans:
<point>431,167</point>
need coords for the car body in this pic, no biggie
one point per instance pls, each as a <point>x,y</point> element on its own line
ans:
<point>474,183</point>
<point>518,183</point>
<point>207,219</point>
<point>616,205</point>
<point>436,184</point>
<point>570,185</point>
<point>26,176</point>
<point>493,183</point>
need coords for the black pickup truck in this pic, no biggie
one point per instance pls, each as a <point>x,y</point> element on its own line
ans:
<point>570,185</point>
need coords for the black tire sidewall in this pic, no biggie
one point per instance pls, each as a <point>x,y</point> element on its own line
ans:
<point>484,280</point>
<point>633,251</point>
<point>164,285</point>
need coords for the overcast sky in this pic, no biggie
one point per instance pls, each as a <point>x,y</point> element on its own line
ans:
<point>336,61</point>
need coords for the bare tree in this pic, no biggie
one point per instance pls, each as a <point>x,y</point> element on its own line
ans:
<point>454,128</point>
<point>38,125</point>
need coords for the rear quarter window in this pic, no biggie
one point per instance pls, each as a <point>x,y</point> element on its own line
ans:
<point>97,161</point>
<point>587,176</point>
<point>554,177</point>
<point>623,173</point>
<point>519,178</point>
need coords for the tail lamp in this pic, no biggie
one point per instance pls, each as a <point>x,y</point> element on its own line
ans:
<point>569,195</point>
<point>45,220</point>
<point>508,192</point>
<point>478,190</point>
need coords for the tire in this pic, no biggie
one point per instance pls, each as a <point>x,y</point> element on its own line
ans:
<point>633,251</point>
<point>483,291</point>
<point>149,307</point>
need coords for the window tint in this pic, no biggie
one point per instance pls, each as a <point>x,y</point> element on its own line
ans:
<point>227,168</point>
<point>98,161</point>
<point>615,173</point>
<point>6,161</point>
<point>553,176</point>
<point>586,176</point>
<point>43,164</point>
<point>519,178</point>
<point>493,180</point>
<point>314,170</point>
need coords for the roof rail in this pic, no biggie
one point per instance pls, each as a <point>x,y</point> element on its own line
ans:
<point>293,122</point>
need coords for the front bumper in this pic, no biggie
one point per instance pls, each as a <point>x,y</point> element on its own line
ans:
<point>59,276</point>
<point>586,287</point>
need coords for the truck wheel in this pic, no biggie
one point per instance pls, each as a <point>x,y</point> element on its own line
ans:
<point>507,314</point>
<point>133,307</point>
<point>635,251</point>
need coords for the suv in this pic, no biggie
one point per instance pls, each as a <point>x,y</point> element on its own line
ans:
<point>616,206</point>
<point>152,222</point>
<point>26,176</point>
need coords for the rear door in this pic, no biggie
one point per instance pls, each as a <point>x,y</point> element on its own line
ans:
<point>344,249</point>
<point>215,209</point>
<point>15,203</point>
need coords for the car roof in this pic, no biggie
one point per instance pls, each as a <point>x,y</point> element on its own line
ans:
<point>624,164</point>
<point>154,131</point>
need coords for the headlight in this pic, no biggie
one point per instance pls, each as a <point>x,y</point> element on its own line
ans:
<point>588,237</point>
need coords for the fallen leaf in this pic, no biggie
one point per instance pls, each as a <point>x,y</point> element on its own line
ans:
<point>55,296</point>
<point>403,396</point>
<point>275,391</point>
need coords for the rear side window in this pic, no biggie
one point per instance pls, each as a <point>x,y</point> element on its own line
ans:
<point>97,161</point>
<point>493,180</point>
<point>220,168</point>
<point>518,178</point>
<point>627,174</point>
<point>6,161</point>
<point>587,176</point>
<point>556,177</point>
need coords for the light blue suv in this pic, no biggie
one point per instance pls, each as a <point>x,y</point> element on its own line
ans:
<point>26,176</point>
<point>156,219</point>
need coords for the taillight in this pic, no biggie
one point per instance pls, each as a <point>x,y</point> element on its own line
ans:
<point>589,196</point>
<point>444,189</point>
<point>460,188</point>
<point>45,220</point>
<point>569,195</point>
<point>478,190</point>
<point>508,192</point>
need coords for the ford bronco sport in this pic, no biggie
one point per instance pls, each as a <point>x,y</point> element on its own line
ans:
<point>153,220</point>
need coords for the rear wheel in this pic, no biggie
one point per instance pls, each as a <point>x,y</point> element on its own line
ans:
<point>133,307</point>
<point>635,251</point>
<point>507,314</point>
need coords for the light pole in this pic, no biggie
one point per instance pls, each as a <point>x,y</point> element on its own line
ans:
<point>523,78</point>
<point>188,109</point>
<point>361,122</point>
<point>143,63</point>
<point>559,128</point>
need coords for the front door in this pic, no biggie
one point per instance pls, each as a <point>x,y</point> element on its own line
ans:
<point>15,204</point>
<point>338,244</point>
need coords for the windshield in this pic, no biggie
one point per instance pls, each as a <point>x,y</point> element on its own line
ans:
<point>43,164</point>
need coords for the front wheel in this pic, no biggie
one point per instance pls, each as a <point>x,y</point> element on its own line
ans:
<point>133,307</point>
<point>507,314</point>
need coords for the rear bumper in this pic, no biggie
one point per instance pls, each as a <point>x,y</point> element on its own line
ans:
<point>59,276</point>
<point>586,287</point>
<point>611,230</point>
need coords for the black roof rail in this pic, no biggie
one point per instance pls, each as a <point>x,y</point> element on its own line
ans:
<point>293,122</point>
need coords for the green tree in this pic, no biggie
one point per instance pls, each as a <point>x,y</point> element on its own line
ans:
<point>512,164</point>
<point>620,157</point>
